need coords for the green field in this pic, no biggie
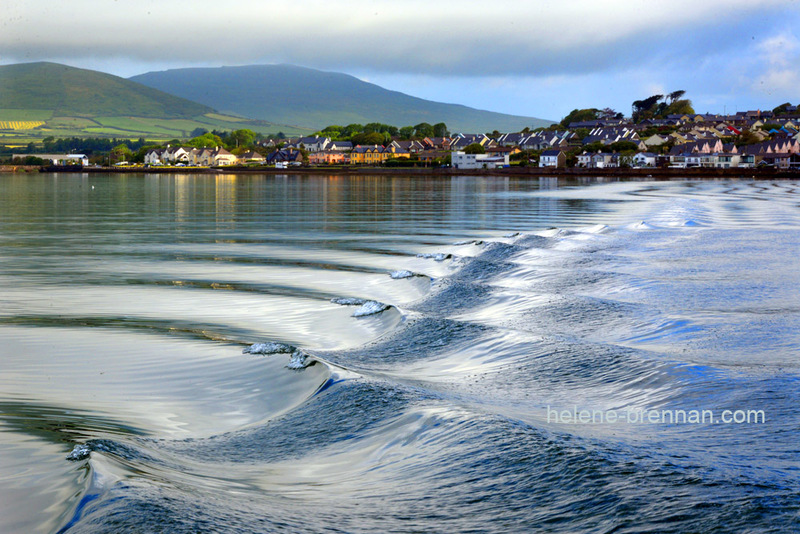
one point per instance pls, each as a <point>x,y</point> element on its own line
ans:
<point>25,114</point>
<point>127,127</point>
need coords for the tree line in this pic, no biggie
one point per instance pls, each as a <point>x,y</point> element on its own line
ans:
<point>376,133</point>
<point>652,107</point>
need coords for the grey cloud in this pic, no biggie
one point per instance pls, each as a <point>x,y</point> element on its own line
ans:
<point>474,39</point>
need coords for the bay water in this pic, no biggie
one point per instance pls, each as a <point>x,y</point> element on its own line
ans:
<point>281,353</point>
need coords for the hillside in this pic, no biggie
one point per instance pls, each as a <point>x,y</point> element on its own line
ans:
<point>38,100</point>
<point>287,94</point>
<point>69,91</point>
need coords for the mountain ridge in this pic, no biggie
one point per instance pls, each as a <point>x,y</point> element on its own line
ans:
<point>290,94</point>
<point>73,91</point>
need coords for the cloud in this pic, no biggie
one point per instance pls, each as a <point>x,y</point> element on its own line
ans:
<point>779,57</point>
<point>471,38</point>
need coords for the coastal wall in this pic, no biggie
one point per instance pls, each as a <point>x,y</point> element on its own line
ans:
<point>659,173</point>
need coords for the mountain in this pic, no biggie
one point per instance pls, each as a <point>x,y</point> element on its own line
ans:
<point>300,96</point>
<point>39,100</point>
<point>72,92</point>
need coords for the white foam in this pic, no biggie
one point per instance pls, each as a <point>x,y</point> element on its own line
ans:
<point>551,232</point>
<point>398,275</point>
<point>80,452</point>
<point>268,348</point>
<point>440,256</point>
<point>299,360</point>
<point>371,307</point>
<point>348,301</point>
<point>596,229</point>
<point>641,225</point>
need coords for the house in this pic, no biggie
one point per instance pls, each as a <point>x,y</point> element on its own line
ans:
<point>644,159</point>
<point>154,157</point>
<point>437,143</point>
<point>328,157</point>
<point>60,159</point>
<point>176,154</point>
<point>603,160</point>
<point>340,146</point>
<point>727,160</point>
<point>461,141</point>
<point>406,147</point>
<point>553,158</point>
<point>285,156</point>
<point>502,150</point>
<point>370,155</point>
<point>512,139</point>
<point>656,140</point>
<point>314,143</point>
<point>251,157</point>
<point>430,157</point>
<point>585,159</point>
<point>461,160</point>
<point>221,157</point>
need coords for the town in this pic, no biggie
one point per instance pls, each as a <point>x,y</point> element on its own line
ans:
<point>589,138</point>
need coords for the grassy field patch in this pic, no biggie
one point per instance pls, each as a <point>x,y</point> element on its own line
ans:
<point>225,118</point>
<point>25,114</point>
<point>20,125</point>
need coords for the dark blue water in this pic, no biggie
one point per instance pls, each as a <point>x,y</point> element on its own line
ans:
<point>498,333</point>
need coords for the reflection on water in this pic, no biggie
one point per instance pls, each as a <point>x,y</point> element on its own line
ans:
<point>127,302</point>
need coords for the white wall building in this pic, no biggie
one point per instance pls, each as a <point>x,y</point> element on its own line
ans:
<point>461,160</point>
<point>60,159</point>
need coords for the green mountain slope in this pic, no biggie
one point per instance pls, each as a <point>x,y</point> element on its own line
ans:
<point>287,94</point>
<point>73,92</point>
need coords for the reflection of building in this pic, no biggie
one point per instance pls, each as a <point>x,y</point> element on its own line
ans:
<point>461,160</point>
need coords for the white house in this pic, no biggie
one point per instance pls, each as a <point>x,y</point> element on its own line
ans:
<point>553,158</point>
<point>461,160</point>
<point>584,159</point>
<point>644,159</point>
<point>153,157</point>
<point>60,159</point>
<point>603,160</point>
<point>312,144</point>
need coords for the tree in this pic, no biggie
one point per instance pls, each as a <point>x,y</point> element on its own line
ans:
<point>373,138</point>
<point>675,95</point>
<point>351,129</point>
<point>647,108</point>
<point>624,146</point>
<point>440,130</point>
<point>783,108</point>
<point>239,138</point>
<point>582,133</point>
<point>406,132</point>
<point>121,152</point>
<point>597,146</point>
<point>423,129</point>
<point>474,148</point>
<point>580,115</point>
<point>197,132</point>
<point>608,113</point>
<point>206,140</point>
<point>679,107</point>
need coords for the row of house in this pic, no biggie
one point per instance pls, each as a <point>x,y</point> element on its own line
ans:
<point>779,153</point>
<point>211,157</point>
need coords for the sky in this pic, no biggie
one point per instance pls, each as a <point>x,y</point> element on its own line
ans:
<point>537,58</point>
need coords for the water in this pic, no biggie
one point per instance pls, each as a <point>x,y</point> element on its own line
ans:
<point>130,306</point>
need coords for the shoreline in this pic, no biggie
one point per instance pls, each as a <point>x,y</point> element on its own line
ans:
<point>518,172</point>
